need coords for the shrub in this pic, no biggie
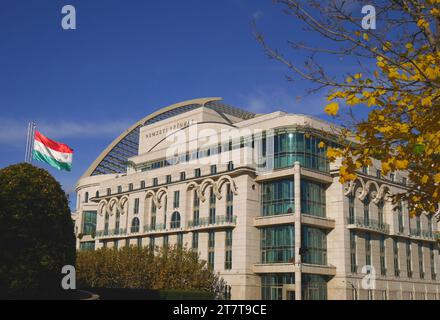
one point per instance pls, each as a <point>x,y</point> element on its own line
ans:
<point>142,268</point>
<point>36,232</point>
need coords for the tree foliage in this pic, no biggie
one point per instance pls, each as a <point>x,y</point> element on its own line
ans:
<point>143,268</point>
<point>398,79</point>
<point>36,232</point>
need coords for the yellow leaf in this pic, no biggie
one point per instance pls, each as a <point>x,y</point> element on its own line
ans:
<point>366,37</point>
<point>437,178</point>
<point>332,109</point>
<point>425,179</point>
<point>321,144</point>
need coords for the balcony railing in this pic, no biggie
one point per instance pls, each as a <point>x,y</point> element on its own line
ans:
<point>369,224</point>
<point>422,234</point>
<point>111,232</point>
<point>210,221</point>
<point>155,227</point>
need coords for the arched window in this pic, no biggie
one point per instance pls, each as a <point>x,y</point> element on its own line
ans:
<point>97,194</point>
<point>106,224</point>
<point>175,220</point>
<point>135,225</point>
<point>86,198</point>
<point>117,220</point>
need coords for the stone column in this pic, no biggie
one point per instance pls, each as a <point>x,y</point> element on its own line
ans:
<point>297,188</point>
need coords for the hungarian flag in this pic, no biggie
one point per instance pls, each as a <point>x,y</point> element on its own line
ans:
<point>56,154</point>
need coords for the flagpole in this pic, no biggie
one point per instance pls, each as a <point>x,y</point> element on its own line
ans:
<point>31,151</point>
<point>27,143</point>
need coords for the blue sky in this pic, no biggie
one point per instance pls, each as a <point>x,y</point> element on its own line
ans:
<point>128,58</point>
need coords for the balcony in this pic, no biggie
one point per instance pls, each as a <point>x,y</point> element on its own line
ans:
<point>422,234</point>
<point>368,224</point>
<point>111,233</point>
<point>208,222</point>
<point>149,228</point>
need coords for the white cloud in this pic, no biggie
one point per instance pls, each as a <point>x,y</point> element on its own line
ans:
<point>257,15</point>
<point>14,131</point>
<point>268,99</point>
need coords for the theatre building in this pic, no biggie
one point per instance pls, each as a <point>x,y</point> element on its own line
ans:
<point>256,197</point>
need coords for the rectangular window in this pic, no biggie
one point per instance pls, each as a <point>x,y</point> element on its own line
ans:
<point>314,245</point>
<point>119,189</point>
<point>136,206</point>
<point>228,250</point>
<point>404,181</point>
<point>211,248</point>
<point>378,174</point>
<point>392,177</point>
<point>421,264</point>
<point>230,166</point>
<point>367,248</point>
<point>278,244</point>
<point>197,173</point>
<point>353,262</point>
<point>180,240</point>
<point>213,169</point>
<point>155,182</point>
<point>383,270</point>
<point>182,176</point>
<point>109,191</point>
<point>366,203</point>
<point>196,209</point>
<point>229,203</point>
<point>432,261</point>
<point>212,200</point>
<point>89,222</point>
<point>365,170</point>
<point>396,257</point>
<point>143,184</point>
<point>152,242</point>
<point>272,285</point>
<point>400,217</point>
<point>176,201</point>
<point>130,187</point>
<point>195,240</point>
<point>351,213</point>
<point>139,242</point>
<point>116,244</point>
<point>380,206</point>
<point>277,197</point>
<point>127,242</point>
<point>418,226</point>
<point>165,241</point>
<point>408,259</point>
<point>313,198</point>
<point>86,246</point>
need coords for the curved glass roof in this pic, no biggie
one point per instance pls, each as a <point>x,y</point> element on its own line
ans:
<point>115,158</point>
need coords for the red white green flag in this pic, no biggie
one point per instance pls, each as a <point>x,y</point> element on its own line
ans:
<point>58,155</point>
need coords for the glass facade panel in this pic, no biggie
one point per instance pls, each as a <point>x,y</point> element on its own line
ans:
<point>314,245</point>
<point>89,222</point>
<point>278,244</point>
<point>312,198</point>
<point>314,287</point>
<point>278,197</point>
<point>272,285</point>
<point>290,146</point>
<point>85,246</point>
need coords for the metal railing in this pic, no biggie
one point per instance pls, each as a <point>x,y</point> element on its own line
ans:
<point>211,221</point>
<point>111,232</point>
<point>371,224</point>
<point>154,227</point>
<point>422,234</point>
